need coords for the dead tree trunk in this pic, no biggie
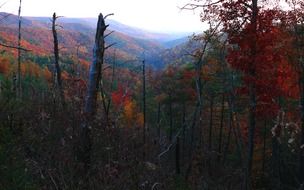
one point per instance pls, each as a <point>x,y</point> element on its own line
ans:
<point>95,67</point>
<point>158,120</point>
<point>184,125</point>
<point>93,87</point>
<point>177,156</point>
<point>57,66</point>
<point>171,118</point>
<point>19,88</point>
<point>144,99</point>
<point>112,84</point>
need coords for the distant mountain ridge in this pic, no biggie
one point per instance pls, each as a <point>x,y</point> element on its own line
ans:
<point>131,43</point>
<point>117,26</point>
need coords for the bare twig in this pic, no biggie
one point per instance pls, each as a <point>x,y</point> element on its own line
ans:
<point>14,47</point>
<point>110,45</point>
<point>52,179</point>
<point>193,6</point>
<point>111,14</point>
<point>108,67</point>
<point>154,185</point>
<point>109,34</point>
<point>171,145</point>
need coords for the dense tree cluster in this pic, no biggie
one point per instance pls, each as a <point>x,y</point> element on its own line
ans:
<point>228,114</point>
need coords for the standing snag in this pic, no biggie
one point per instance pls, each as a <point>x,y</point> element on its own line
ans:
<point>57,67</point>
<point>95,76</point>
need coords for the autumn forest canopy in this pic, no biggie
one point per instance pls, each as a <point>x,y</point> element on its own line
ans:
<point>91,103</point>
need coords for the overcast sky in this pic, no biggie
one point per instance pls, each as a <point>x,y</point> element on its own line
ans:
<point>155,15</point>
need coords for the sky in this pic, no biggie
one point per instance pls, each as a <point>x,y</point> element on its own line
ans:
<point>153,15</point>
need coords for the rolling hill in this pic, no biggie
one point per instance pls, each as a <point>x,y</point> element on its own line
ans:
<point>76,38</point>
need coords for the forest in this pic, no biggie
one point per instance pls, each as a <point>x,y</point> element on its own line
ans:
<point>84,106</point>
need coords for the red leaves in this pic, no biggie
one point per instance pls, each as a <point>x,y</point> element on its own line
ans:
<point>266,58</point>
<point>188,75</point>
<point>120,96</point>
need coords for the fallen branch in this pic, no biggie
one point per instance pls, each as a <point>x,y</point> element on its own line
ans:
<point>171,145</point>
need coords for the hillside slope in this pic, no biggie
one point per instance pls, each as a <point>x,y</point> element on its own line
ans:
<point>76,38</point>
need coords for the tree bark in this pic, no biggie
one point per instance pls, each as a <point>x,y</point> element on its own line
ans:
<point>112,83</point>
<point>95,74</point>
<point>177,156</point>
<point>276,169</point>
<point>221,124</point>
<point>57,66</point>
<point>158,120</point>
<point>144,100</point>
<point>19,87</point>
<point>252,95</point>
<point>171,118</point>
<point>93,86</point>
<point>264,147</point>
<point>301,173</point>
<point>184,126</point>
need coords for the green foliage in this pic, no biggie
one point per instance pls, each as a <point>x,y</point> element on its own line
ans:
<point>13,171</point>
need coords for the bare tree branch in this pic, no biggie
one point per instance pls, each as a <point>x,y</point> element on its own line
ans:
<point>108,67</point>
<point>171,145</point>
<point>14,47</point>
<point>109,34</point>
<point>110,45</point>
<point>193,6</point>
<point>111,14</point>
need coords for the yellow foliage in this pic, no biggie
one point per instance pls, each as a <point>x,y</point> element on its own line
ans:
<point>129,112</point>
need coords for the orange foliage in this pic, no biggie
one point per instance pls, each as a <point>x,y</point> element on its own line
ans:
<point>4,66</point>
<point>47,74</point>
<point>64,75</point>
<point>129,112</point>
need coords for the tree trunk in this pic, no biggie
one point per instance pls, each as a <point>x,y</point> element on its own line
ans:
<point>112,82</point>
<point>95,74</point>
<point>276,171</point>
<point>57,67</point>
<point>210,123</point>
<point>228,137</point>
<point>177,156</point>
<point>93,86</point>
<point>171,118</point>
<point>158,120</point>
<point>104,103</point>
<point>252,95</point>
<point>184,125</point>
<point>19,88</point>
<point>301,173</point>
<point>221,124</point>
<point>264,148</point>
<point>144,104</point>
